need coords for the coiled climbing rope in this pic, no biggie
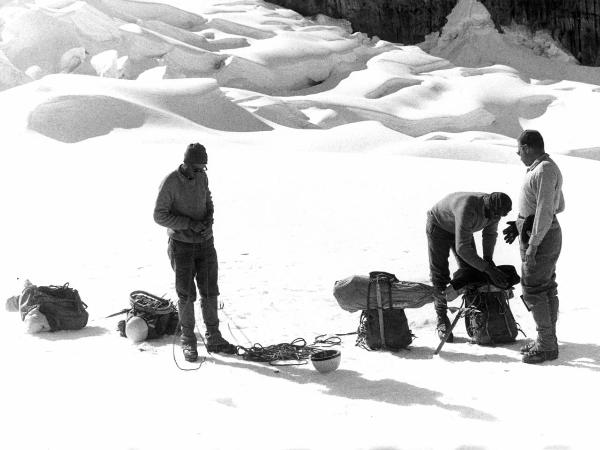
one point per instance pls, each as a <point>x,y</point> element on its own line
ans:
<point>294,353</point>
<point>142,301</point>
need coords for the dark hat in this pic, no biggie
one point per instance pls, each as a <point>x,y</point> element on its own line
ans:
<point>195,154</point>
<point>500,203</point>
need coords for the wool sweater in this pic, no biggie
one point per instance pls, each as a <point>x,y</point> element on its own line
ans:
<point>182,200</point>
<point>463,214</point>
<point>541,196</point>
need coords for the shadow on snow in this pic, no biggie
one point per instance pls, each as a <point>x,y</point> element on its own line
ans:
<point>351,385</point>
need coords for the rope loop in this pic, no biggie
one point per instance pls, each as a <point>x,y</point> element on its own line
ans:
<point>293,353</point>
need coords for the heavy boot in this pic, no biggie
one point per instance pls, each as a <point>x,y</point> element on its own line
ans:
<point>188,337</point>
<point>190,350</point>
<point>215,342</point>
<point>443,323</point>
<point>536,356</point>
<point>544,349</point>
<point>526,348</point>
<point>443,326</point>
<point>553,305</point>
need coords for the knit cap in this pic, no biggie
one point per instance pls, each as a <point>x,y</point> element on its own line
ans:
<point>500,203</point>
<point>195,154</point>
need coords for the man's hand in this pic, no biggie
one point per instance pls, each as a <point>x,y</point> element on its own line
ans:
<point>530,255</point>
<point>510,232</point>
<point>196,226</point>
<point>497,277</point>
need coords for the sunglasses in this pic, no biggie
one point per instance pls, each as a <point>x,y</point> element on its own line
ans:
<point>199,169</point>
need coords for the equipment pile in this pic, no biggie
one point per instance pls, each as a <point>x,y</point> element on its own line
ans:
<point>149,317</point>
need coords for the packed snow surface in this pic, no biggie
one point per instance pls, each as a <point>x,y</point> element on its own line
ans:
<point>326,148</point>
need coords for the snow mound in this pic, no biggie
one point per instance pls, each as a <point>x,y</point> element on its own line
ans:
<point>131,11</point>
<point>36,38</point>
<point>65,119</point>
<point>73,109</point>
<point>10,76</point>
<point>587,153</point>
<point>275,68</point>
<point>293,61</point>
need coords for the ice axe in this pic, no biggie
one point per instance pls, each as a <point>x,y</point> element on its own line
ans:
<point>460,312</point>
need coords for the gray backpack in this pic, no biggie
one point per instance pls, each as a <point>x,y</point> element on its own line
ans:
<point>488,317</point>
<point>61,305</point>
<point>381,327</point>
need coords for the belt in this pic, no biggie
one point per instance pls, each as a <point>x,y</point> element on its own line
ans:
<point>523,218</point>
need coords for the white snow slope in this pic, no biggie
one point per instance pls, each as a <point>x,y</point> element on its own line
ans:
<point>326,148</point>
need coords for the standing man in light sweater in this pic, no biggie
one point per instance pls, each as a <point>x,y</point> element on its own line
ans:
<point>451,223</point>
<point>184,206</point>
<point>540,244</point>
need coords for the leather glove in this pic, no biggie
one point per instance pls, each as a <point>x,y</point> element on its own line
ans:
<point>497,277</point>
<point>510,232</point>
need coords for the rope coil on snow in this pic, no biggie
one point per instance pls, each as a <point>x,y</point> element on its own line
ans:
<point>294,353</point>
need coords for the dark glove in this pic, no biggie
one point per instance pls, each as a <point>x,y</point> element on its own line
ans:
<point>207,227</point>
<point>497,277</point>
<point>197,226</point>
<point>510,232</point>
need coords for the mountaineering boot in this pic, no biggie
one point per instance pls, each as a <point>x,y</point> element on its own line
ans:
<point>443,327</point>
<point>536,356</point>
<point>544,348</point>
<point>215,343</point>
<point>441,307</point>
<point>526,348</point>
<point>190,350</point>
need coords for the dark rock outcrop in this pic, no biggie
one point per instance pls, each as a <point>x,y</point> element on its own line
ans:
<point>573,23</point>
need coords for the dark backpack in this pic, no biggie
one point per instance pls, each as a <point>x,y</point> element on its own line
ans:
<point>61,305</point>
<point>159,314</point>
<point>488,317</point>
<point>381,328</point>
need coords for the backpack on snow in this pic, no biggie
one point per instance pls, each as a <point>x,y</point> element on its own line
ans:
<point>381,328</point>
<point>61,305</point>
<point>159,314</point>
<point>488,317</point>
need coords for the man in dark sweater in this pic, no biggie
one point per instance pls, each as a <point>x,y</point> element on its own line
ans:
<point>184,206</point>
<point>451,223</point>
